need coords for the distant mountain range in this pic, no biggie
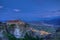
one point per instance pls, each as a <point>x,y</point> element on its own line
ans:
<point>52,20</point>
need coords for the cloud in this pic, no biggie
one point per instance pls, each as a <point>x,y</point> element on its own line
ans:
<point>55,11</point>
<point>1,6</point>
<point>58,10</point>
<point>16,10</point>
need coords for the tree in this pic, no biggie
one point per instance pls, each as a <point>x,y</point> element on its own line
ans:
<point>29,37</point>
<point>12,25</point>
<point>26,25</point>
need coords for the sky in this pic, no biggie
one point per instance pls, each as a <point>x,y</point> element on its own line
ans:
<point>29,10</point>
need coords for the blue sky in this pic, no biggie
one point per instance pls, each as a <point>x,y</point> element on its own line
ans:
<point>29,9</point>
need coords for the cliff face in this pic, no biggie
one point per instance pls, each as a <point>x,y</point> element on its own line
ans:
<point>17,28</point>
<point>3,31</point>
<point>17,31</point>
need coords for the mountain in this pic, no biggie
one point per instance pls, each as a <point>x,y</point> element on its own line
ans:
<point>53,21</point>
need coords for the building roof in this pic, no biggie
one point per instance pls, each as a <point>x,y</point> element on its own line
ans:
<point>13,21</point>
